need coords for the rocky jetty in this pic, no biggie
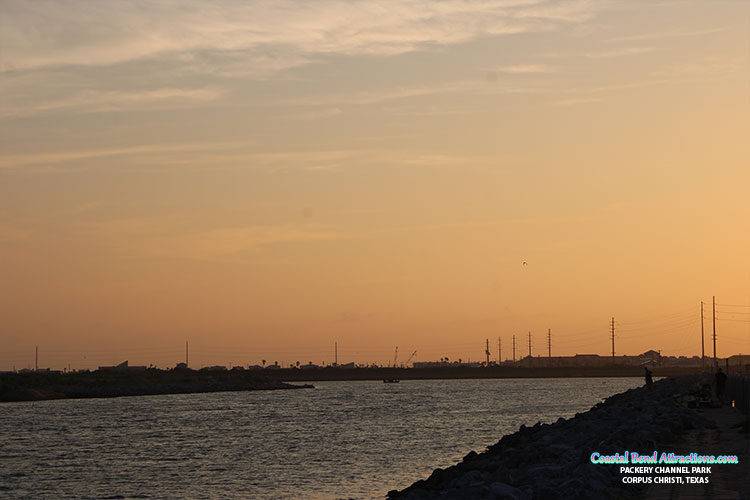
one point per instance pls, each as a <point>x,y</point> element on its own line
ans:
<point>553,461</point>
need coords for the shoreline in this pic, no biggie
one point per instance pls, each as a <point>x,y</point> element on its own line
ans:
<point>553,461</point>
<point>95,385</point>
<point>448,373</point>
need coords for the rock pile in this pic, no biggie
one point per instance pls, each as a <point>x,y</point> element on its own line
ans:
<point>553,461</point>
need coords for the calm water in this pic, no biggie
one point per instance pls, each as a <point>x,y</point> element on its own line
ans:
<point>340,440</point>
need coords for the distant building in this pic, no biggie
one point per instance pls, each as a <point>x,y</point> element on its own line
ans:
<point>215,368</point>
<point>445,364</point>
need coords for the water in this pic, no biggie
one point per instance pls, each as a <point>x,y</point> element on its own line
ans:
<point>354,439</point>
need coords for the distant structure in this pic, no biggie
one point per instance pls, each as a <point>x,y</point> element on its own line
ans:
<point>648,358</point>
<point>215,368</point>
<point>438,364</point>
<point>122,367</point>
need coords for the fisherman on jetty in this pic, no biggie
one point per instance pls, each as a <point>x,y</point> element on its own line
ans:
<point>649,378</point>
<point>721,383</point>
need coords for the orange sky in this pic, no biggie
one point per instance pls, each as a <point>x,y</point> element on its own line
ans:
<point>263,180</point>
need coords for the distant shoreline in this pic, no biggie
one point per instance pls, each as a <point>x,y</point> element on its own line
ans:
<point>468,372</point>
<point>41,386</point>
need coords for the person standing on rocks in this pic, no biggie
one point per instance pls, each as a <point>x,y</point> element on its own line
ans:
<point>720,379</point>
<point>649,378</point>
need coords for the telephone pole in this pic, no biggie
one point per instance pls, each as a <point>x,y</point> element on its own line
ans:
<point>499,346</point>
<point>703,344</point>
<point>186,354</point>
<point>613,340</point>
<point>36,363</point>
<point>487,350</point>
<point>529,344</point>
<point>714,301</point>
<point>335,354</point>
<point>514,347</point>
<point>549,343</point>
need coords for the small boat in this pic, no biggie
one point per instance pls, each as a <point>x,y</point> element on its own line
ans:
<point>391,381</point>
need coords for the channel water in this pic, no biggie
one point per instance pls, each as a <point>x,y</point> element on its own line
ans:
<point>341,440</point>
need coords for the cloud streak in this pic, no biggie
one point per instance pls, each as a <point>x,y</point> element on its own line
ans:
<point>83,32</point>
<point>621,52</point>
<point>45,159</point>
<point>95,101</point>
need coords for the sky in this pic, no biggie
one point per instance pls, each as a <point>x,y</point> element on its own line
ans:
<point>266,179</point>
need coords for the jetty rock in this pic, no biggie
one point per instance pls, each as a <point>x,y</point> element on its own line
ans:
<point>553,461</point>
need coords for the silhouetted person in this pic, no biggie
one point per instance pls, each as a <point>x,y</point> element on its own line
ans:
<point>721,383</point>
<point>649,378</point>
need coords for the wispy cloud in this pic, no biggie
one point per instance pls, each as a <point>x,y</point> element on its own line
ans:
<point>51,158</point>
<point>526,69</point>
<point>94,101</point>
<point>717,66</point>
<point>673,34</point>
<point>169,237</point>
<point>621,52</point>
<point>87,32</point>
<point>226,242</point>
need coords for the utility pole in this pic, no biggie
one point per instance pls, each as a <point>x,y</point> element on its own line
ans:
<point>487,351</point>
<point>703,344</point>
<point>499,346</point>
<point>714,301</point>
<point>613,340</point>
<point>549,343</point>
<point>186,354</point>
<point>529,344</point>
<point>335,354</point>
<point>36,364</point>
<point>514,347</point>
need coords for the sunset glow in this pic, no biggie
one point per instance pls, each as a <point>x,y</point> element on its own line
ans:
<point>264,180</point>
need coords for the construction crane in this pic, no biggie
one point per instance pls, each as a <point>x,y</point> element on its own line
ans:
<point>407,361</point>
